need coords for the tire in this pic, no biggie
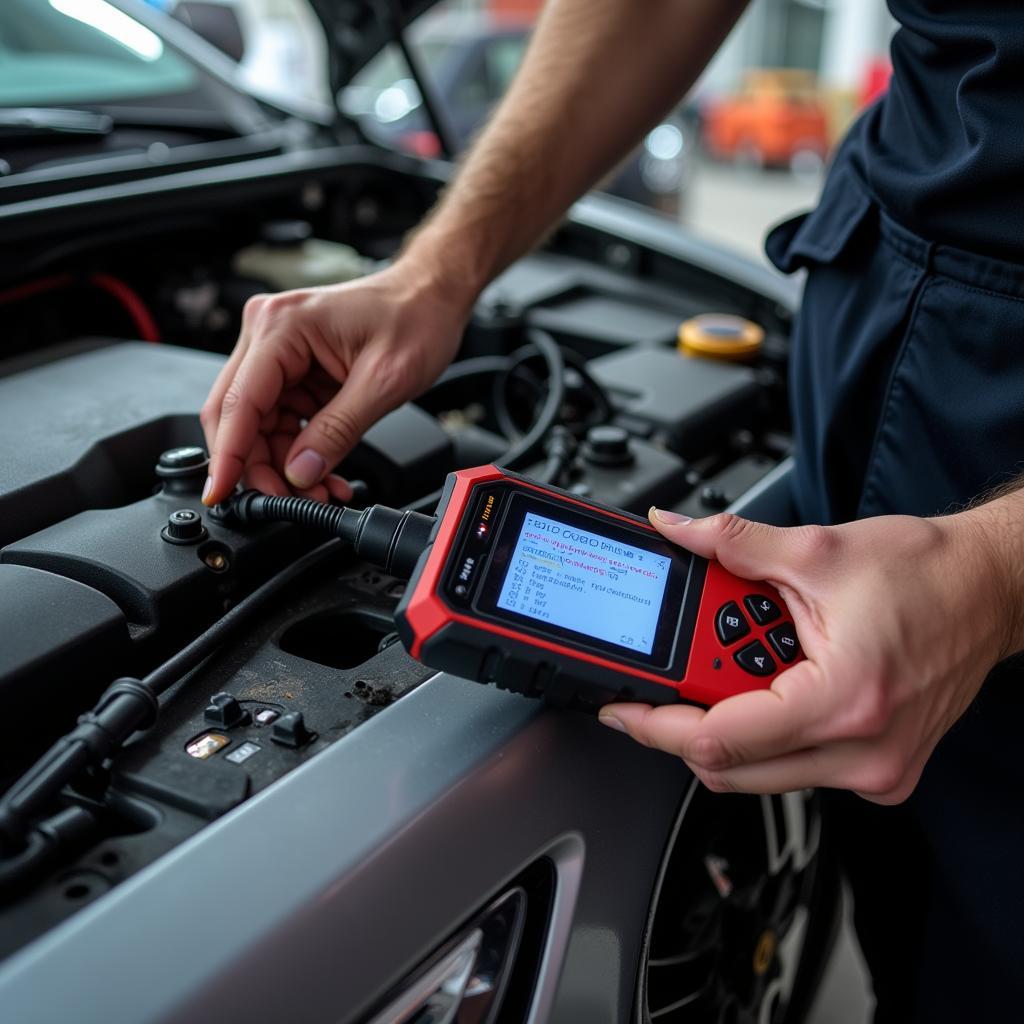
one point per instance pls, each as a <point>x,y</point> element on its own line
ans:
<point>743,915</point>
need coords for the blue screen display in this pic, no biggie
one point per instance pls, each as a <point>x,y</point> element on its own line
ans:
<point>585,582</point>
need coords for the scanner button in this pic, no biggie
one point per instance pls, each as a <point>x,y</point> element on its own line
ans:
<point>755,659</point>
<point>730,623</point>
<point>764,609</point>
<point>783,638</point>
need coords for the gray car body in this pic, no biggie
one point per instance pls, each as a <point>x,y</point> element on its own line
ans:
<point>312,900</point>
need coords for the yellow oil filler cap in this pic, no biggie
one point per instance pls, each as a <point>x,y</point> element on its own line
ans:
<point>720,336</point>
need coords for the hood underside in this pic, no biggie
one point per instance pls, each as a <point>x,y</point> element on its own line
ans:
<point>357,30</point>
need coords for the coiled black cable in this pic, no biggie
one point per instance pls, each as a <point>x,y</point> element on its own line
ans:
<point>518,371</point>
<point>518,376</point>
<point>528,444</point>
<point>603,409</point>
<point>478,366</point>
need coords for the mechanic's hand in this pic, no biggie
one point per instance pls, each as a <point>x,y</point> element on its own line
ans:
<point>338,357</point>
<point>900,619</point>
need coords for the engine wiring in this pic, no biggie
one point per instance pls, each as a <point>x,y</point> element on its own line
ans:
<point>127,706</point>
<point>126,297</point>
<point>527,446</point>
<point>131,705</point>
<point>579,384</point>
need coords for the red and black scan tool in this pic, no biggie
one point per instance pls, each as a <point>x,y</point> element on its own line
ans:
<point>545,593</point>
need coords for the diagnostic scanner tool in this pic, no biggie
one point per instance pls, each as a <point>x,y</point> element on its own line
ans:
<point>545,593</point>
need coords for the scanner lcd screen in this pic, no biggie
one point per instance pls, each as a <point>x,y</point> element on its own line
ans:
<point>589,580</point>
<point>585,581</point>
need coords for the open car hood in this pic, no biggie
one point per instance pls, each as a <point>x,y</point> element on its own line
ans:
<point>357,30</point>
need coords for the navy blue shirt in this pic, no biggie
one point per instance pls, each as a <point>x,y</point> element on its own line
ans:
<point>943,152</point>
<point>907,377</point>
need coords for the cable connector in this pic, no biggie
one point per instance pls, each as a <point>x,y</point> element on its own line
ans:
<point>391,539</point>
<point>126,706</point>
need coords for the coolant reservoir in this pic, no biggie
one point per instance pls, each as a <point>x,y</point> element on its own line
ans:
<point>289,257</point>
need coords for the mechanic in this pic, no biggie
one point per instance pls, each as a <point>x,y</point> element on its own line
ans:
<point>908,394</point>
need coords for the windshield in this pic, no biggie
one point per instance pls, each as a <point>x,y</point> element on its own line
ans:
<point>82,51</point>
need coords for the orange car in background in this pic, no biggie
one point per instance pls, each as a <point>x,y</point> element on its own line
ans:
<point>777,119</point>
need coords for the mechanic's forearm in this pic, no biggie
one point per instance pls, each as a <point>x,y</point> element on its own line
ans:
<point>596,77</point>
<point>993,532</point>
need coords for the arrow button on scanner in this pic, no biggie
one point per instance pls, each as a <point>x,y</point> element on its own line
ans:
<point>755,659</point>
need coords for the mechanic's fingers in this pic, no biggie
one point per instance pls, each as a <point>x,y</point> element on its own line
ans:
<point>805,769</point>
<point>304,403</point>
<point>666,728</point>
<point>251,395</point>
<point>266,478</point>
<point>677,730</point>
<point>317,493</point>
<point>332,487</point>
<point>339,489</point>
<point>794,714</point>
<point>209,415</point>
<point>287,426</point>
<point>876,772</point>
<point>752,550</point>
<point>269,423</point>
<point>279,445</point>
<point>321,387</point>
<point>334,431</point>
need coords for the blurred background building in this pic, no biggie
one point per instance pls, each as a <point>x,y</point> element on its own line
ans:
<point>842,46</point>
<point>843,41</point>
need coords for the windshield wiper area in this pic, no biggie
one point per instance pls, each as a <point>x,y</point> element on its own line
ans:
<point>18,122</point>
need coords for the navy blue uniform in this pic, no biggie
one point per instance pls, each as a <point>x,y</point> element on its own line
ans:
<point>908,397</point>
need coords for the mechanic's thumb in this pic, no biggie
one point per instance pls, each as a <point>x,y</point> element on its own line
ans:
<point>752,550</point>
<point>329,436</point>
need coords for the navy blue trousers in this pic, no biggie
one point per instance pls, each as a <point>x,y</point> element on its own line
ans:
<point>907,387</point>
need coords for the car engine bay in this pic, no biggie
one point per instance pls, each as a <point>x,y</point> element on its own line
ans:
<point>110,566</point>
